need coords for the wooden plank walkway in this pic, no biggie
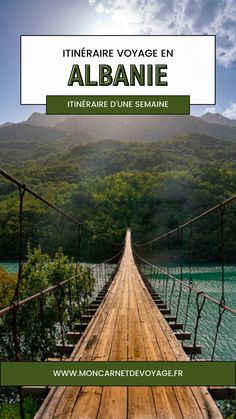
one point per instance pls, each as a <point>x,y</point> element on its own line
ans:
<point>128,326</point>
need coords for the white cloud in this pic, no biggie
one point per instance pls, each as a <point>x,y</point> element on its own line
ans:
<point>211,109</point>
<point>230,112</point>
<point>177,17</point>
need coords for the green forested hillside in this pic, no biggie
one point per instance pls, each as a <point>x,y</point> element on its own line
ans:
<point>111,184</point>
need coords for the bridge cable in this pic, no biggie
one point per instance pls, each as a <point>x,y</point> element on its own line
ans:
<point>168,270</point>
<point>15,299</point>
<point>190,281</point>
<point>199,315</point>
<point>180,244</point>
<point>221,308</point>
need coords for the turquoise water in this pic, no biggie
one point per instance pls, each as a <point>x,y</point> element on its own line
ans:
<point>9,266</point>
<point>206,278</point>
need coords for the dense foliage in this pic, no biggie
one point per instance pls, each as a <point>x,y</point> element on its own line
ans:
<point>12,410</point>
<point>38,319</point>
<point>7,287</point>
<point>110,184</point>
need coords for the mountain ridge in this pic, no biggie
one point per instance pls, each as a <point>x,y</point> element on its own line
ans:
<point>41,131</point>
<point>138,127</point>
<point>217,118</point>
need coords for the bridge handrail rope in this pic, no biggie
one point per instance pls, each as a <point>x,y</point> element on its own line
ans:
<point>200,306</point>
<point>190,280</point>
<point>180,233</point>
<point>176,235</point>
<point>190,287</point>
<point>25,188</point>
<point>82,299</point>
<point>219,206</point>
<point>155,275</point>
<point>222,253</point>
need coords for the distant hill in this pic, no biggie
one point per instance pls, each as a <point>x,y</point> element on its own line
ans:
<point>42,135</point>
<point>22,142</point>
<point>138,127</point>
<point>6,124</point>
<point>27,133</point>
<point>42,120</point>
<point>216,118</point>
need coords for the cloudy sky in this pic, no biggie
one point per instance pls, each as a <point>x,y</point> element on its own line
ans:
<point>158,17</point>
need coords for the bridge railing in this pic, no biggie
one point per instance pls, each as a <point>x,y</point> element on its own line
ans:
<point>61,266</point>
<point>193,270</point>
<point>31,328</point>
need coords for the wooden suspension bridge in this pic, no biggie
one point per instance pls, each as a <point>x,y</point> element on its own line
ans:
<point>128,326</point>
<point>131,313</point>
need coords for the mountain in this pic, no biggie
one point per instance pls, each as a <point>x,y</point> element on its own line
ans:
<point>42,120</point>
<point>140,127</point>
<point>216,118</point>
<point>25,133</point>
<point>24,142</point>
<point>6,124</point>
<point>144,128</point>
<point>42,134</point>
